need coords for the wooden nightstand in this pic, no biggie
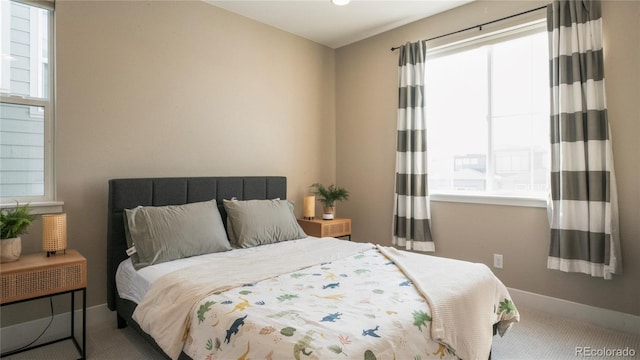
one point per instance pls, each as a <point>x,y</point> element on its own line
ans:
<point>36,276</point>
<point>326,228</point>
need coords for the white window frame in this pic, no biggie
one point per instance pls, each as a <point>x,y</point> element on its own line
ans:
<point>46,203</point>
<point>539,201</point>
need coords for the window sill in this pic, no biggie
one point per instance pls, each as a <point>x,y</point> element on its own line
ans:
<point>38,208</point>
<point>490,199</point>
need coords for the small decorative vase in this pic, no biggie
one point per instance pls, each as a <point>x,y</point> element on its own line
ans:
<point>10,249</point>
<point>328,212</point>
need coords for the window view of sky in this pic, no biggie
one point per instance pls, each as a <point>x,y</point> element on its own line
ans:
<point>488,118</point>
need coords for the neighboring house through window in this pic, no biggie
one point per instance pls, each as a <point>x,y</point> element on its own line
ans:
<point>487,103</point>
<point>26,103</point>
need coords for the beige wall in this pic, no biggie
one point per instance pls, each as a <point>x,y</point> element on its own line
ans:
<point>366,79</point>
<point>178,89</point>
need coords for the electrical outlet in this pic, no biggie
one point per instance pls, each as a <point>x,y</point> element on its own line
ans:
<point>497,261</point>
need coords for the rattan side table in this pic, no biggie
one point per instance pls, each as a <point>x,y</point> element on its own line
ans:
<point>326,228</point>
<point>37,276</point>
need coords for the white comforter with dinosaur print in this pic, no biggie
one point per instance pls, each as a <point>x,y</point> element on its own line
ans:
<point>313,299</point>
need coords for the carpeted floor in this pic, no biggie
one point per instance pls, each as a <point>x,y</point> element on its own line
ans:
<point>538,336</point>
<point>541,336</point>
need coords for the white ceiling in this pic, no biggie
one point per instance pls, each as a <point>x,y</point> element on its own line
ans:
<point>336,26</point>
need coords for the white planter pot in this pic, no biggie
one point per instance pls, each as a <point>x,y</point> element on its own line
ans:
<point>328,213</point>
<point>10,249</point>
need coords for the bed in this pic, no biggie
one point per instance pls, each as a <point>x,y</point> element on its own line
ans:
<point>305,298</point>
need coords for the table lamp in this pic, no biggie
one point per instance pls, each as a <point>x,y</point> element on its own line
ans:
<point>54,233</point>
<point>309,210</point>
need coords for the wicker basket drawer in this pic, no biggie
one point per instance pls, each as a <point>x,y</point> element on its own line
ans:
<point>326,228</point>
<point>37,275</point>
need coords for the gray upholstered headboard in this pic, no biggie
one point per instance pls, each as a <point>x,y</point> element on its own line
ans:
<point>129,193</point>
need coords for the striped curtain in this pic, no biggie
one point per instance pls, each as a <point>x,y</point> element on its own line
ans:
<point>411,203</point>
<point>583,209</point>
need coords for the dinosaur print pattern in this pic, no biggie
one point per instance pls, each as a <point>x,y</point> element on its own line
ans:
<point>234,328</point>
<point>349,308</point>
<point>331,286</point>
<point>371,332</point>
<point>303,346</point>
<point>332,317</point>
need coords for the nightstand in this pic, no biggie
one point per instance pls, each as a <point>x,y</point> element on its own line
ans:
<point>327,228</point>
<point>37,276</point>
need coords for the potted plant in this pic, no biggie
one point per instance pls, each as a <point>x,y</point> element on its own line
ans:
<point>328,197</point>
<point>13,223</point>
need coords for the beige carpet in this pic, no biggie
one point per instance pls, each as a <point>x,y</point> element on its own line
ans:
<point>538,336</point>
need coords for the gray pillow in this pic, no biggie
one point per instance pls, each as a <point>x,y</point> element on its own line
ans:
<point>259,222</point>
<point>165,233</point>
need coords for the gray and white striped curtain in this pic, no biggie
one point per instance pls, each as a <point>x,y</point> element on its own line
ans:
<point>583,209</point>
<point>411,204</point>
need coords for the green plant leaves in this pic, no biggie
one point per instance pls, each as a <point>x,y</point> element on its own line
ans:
<point>14,222</point>
<point>329,195</point>
<point>420,319</point>
<point>203,310</point>
<point>506,306</point>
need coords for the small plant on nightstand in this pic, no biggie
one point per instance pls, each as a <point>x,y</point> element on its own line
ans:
<point>328,196</point>
<point>13,223</point>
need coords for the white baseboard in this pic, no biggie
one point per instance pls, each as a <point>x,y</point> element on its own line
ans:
<point>15,336</point>
<point>590,314</point>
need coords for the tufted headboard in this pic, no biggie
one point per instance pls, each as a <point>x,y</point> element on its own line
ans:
<point>129,193</point>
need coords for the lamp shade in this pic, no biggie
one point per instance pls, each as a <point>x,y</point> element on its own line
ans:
<point>309,210</point>
<point>54,232</point>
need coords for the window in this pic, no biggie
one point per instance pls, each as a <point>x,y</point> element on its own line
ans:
<point>487,104</point>
<point>26,103</point>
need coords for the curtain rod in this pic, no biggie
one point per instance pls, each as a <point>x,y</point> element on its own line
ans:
<point>479,26</point>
